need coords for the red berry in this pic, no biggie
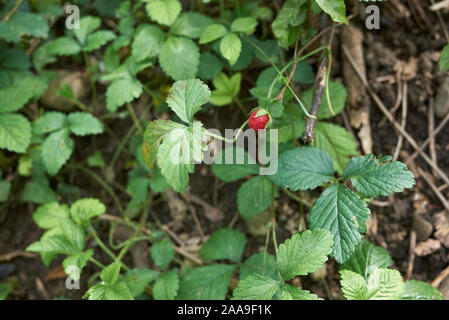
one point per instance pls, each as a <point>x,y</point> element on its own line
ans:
<point>258,123</point>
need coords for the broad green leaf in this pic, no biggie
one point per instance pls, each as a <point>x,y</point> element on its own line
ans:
<point>254,196</point>
<point>137,279</point>
<point>367,258</point>
<point>163,11</point>
<point>179,58</point>
<point>256,287</point>
<point>374,178</point>
<point>49,215</point>
<point>304,253</point>
<point>88,25</point>
<point>344,214</point>
<point>122,91</point>
<point>148,42</point>
<point>444,59</point>
<point>63,46</point>
<point>23,24</point>
<point>210,66</point>
<point>335,8</point>
<point>111,273</point>
<point>285,27</point>
<point>73,232</point>
<point>38,190</point>
<point>56,150</point>
<point>212,33</point>
<point>49,122</point>
<point>337,96</point>
<point>98,39</point>
<point>206,283</point>
<point>185,98</point>
<point>85,209</point>
<point>15,132</point>
<point>116,291</point>
<point>382,284</point>
<point>21,91</point>
<point>225,89</point>
<point>288,292</point>
<point>339,143</point>
<point>420,290</point>
<point>5,289</point>
<point>303,168</point>
<point>83,123</point>
<point>261,264</point>
<point>162,253</point>
<point>244,25</point>
<point>230,47</point>
<point>190,24</point>
<point>5,188</point>
<point>166,286</point>
<point>73,265</point>
<point>226,244</point>
<point>55,244</point>
<point>229,172</point>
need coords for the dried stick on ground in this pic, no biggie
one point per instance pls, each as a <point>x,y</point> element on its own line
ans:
<point>443,274</point>
<point>437,192</point>
<point>411,254</point>
<point>431,128</point>
<point>403,121</point>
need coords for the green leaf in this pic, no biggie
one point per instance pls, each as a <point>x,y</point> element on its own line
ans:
<point>303,168</point>
<point>254,196</point>
<point>55,244</point>
<point>111,273</point>
<point>226,244</point>
<point>73,265</point>
<point>185,98</point>
<point>420,290</point>
<point>339,143</point>
<point>116,291</point>
<point>63,46</point>
<point>261,264</point>
<point>85,209</point>
<point>244,25</point>
<point>234,170</point>
<point>49,122</point>
<point>335,8</point>
<point>374,178</point>
<point>136,280</point>
<point>96,160</point>
<point>148,42</point>
<point>122,91</point>
<point>83,123</point>
<point>444,59</point>
<point>98,39</point>
<point>190,24</point>
<point>343,213</point>
<point>20,92</point>
<point>162,253</point>
<point>163,11</point>
<point>5,289</point>
<point>210,66</point>
<point>292,14</point>
<point>73,232</point>
<point>367,258</point>
<point>212,33</point>
<point>38,190</point>
<point>166,286</point>
<point>206,283</point>
<point>304,253</point>
<point>382,284</point>
<point>337,96</point>
<point>225,89</point>
<point>179,58</point>
<point>49,215</point>
<point>23,24</point>
<point>15,132</point>
<point>230,47</point>
<point>288,292</point>
<point>5,188</point>
<point>256,287</point>
<point>56,150</point>
<point>88,25</point>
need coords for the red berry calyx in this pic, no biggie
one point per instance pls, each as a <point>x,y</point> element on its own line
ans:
<point>258,119</point>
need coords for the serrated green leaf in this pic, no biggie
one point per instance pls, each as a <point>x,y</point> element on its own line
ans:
<point>233,171</point>
<point>83,123</point>
<point>185,98</point>
<point>98,39</point>
<point>148,42</point>
<point>23,24</point>
<point>245,25</point>
<point>49,122</point>
<point>56,150</point>
<point>55,244</point>
<point>73,232</point>
<point>303,168</point>
<point>225,89</point>
<point>116,291</point>
<point>343,213</point>
<point>335,8</point>
<point>73,265</point>
<point>15,132</point>
<point>230,47</point>
<point>190,24</point>
<point>206,283</point>
<point>23,89</point>
<point>38,190</point>
<point>367,258</point>
<point>261,264</point>
<point>210,66</point>
<point>212,33</point>
<point>254,196</point>
<point>444,59</point>
<point>122,91</point>
<point>226,244</point>
<point>304,253</point>
<point>292,14</point>
<point>88,25</point>
<point>163,11</point>
<point>288,292</point>
<point>49,215</point>
<point>85,209</point>
<point>179,58</point>
<point>373,178</point>
<point>111,273</point>
<point>162,253</point>
<point>420,290</point>
<point>63,46</point>
<point>166,286</point>
<point>136,280</point>
<point>256,287</point>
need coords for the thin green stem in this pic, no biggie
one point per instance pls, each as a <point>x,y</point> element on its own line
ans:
<point>92,83</point>
<point>295,197</point>
<point>96,262</point>
<point>239,132</point>
<point>133,116</point>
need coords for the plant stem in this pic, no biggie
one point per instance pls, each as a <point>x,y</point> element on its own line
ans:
<point>96,262</point>
<point>239,132</point>
<point>133,116</point>
<point>295,197</point>
<point>241,106</point>
<point>14,9</point>
<point>92,83</point>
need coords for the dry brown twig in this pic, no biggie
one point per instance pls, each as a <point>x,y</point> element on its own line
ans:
<point>437,192</point>
<point>411,254</point>
<point>403,121</point>
<point>17,254</point>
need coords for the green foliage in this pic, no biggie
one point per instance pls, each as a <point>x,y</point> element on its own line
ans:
<point>254,196</point>
<point>162,253</point>
<point>444,58</point>
<point>225,89</point>
<point>419,290</point>
<point>224,244</point>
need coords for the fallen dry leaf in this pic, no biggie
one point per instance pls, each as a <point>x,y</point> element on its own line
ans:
<point>427,247</point>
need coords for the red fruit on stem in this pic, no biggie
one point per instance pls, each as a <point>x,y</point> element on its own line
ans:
<point>258,123</point>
